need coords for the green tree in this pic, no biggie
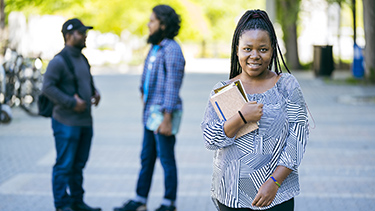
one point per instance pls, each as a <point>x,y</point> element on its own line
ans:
<point>2,27</point>
<point>118,15</point>
<point>40,6</point>
<point>221,17</point>
<point>203,21</point>
<point>107,16</point>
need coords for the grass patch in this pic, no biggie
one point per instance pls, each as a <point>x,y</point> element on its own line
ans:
<point>348,81</point>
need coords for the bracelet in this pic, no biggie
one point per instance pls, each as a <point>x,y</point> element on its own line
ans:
<point>243,118</point>
<point>278,184</point>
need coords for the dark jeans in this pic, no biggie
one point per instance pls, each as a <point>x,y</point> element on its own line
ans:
<point>156,145</point>
<point>72,152</point>
<point>285,206</point>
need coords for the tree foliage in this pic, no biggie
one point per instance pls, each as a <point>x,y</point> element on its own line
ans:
<point>40,6</point>
<point>201,19</point>
<point>223,15</point>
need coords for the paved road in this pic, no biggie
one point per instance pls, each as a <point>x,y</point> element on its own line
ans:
<point>337,172</point>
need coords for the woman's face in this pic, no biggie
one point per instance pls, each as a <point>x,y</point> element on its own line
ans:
<point>254,52</point>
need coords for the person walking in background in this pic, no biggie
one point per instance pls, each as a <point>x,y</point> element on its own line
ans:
<point>160,86</point>
<point>72,91</point>
<point>258,171</point>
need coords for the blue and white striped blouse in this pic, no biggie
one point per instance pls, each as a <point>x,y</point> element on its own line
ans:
<point>242,165</point>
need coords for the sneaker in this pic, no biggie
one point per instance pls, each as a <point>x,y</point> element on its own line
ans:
<point>132,206</point>
<point>166,208</point>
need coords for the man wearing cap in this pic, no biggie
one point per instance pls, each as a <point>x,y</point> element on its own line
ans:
<point>72,96</point>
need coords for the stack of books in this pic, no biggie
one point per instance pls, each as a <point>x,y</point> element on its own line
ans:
<point>228,100</point>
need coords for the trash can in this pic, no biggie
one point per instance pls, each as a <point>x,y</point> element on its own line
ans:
<point>323,60</point>
<point>358,68</point>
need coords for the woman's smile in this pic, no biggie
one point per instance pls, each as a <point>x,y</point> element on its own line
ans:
<point>254,52</point>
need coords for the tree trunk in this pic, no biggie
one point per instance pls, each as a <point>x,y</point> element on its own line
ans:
<point>354,22</point>
<point>2,28</point>
<point>292,47</point>
<point>288,17</point>
<point>368,19</point>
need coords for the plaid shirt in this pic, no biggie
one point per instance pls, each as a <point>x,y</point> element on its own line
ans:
<point>165,79</point>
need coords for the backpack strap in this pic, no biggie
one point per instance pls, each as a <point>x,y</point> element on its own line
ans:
<point>69,63</point>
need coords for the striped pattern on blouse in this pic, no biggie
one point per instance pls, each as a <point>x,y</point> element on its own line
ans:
<point>242,165</point>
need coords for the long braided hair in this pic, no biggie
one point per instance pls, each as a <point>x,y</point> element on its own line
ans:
<point>251,20</point>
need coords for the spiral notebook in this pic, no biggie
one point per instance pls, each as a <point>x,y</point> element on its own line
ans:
<point>228,100</point>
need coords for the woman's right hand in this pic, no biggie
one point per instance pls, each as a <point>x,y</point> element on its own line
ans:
<point>252,111</point>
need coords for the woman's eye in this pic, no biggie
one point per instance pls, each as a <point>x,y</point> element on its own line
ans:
<point>247,49</point>
<point>263,50</point>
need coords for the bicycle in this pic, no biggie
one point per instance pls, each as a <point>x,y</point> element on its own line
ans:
<point>23,82</point>
<point>30,78</point>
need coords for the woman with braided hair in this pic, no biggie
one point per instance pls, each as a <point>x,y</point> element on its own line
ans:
<point>258,171</point>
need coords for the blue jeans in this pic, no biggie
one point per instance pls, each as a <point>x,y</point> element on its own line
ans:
<point>72,152</point>
<point>156,145</point>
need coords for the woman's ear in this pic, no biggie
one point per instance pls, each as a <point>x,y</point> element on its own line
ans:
<point>162,26</point>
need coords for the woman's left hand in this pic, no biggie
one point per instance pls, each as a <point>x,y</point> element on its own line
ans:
<point>266,194</point>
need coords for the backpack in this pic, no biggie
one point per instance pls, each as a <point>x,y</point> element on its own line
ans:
<point>45,105</point>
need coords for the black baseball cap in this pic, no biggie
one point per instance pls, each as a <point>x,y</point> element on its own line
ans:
<point>74,24</point>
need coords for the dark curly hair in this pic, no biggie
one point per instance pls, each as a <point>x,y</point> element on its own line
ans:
<point>169,18</point>
<point>255,19</point>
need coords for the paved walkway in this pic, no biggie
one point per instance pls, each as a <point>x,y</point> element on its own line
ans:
<point>337,172</point>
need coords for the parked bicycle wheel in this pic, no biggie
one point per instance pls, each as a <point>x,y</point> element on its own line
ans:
<point>23,81</point>
<point>5,110</point>
<point>30,84</point>
<point>12,64</point>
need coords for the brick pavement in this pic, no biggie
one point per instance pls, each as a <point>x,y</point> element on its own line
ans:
<point>337,172</point>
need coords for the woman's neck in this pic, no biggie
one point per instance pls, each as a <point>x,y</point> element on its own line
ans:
<point>258,84</point>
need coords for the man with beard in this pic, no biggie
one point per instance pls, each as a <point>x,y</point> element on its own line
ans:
<point>68,84</point>
<point>160,86</point>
